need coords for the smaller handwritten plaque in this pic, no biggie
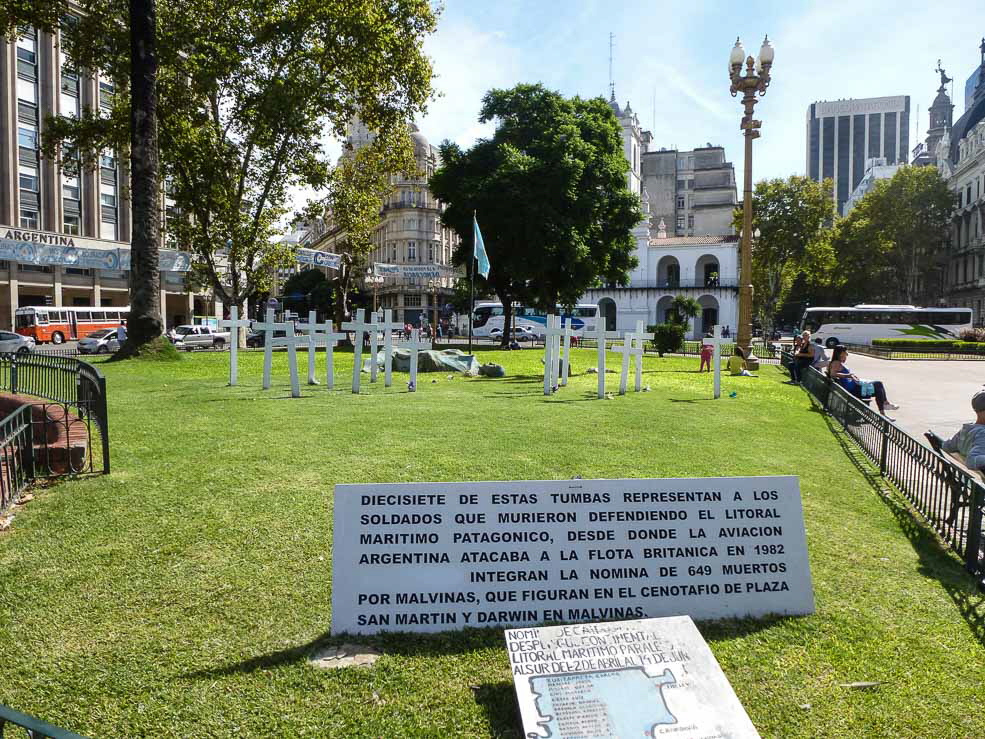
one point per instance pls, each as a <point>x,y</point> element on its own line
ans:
<point>654,678</point>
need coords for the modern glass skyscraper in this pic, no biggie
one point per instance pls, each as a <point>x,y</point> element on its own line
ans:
<point>843,134</point>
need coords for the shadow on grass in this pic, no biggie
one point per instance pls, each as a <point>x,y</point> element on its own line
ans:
<point>936,560</point>
<point>498,700</point>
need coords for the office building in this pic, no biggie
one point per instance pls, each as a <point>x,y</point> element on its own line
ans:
<point>693,192</point>
<point>843,134</point>
<point>61,231</point>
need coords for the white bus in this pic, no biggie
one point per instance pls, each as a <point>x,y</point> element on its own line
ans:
<point>489,316</point>
<point>861,324</point>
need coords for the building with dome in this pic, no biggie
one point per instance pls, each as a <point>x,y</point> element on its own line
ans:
<point>410,233</point>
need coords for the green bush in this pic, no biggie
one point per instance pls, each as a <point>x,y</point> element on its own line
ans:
<point>929,345</point>
<point>667,337</point>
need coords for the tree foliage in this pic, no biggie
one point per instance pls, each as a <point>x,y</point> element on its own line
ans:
<point>792,216</point>
<point>247,90</point>
<point>667,337</point>
<point>684,307</point>
<point>550,194</point>
<point>308,290</point>
<point>888,246</point>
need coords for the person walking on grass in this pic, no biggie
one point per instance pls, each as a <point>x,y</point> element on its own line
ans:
<point>707,352</point>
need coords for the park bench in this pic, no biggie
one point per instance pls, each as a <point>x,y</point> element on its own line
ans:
<point>960,496</point>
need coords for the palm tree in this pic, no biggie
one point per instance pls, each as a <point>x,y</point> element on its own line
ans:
<point>685,308</point>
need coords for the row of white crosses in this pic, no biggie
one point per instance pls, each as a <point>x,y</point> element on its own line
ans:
<point>315,334</point>
<point>631,349</point>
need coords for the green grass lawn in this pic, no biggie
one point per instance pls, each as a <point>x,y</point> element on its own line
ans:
<point>179,595</point>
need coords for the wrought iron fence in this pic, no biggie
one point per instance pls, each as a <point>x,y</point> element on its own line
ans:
<point>887,352</point>
<point>950,498</point>
<point>34,727</point>
<point>60,429</point>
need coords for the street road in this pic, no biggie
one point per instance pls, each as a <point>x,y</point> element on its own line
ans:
<point>931,394</point>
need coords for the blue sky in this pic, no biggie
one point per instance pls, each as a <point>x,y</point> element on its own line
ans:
<point>678,52</point>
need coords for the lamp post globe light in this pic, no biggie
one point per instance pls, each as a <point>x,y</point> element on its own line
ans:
<point>751,84</point>
<point>375,280</point>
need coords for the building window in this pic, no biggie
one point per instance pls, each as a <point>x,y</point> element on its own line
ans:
<point>411,251</point>
<point>28,179</point>
<point>690,221</point>
<point>29,218</point>
<point>72,224</point>
<point>680,222</point>
<point>107,199</point>
<point>412,301</point>
<point>430,252</point>
<point>78,271</point>
<point>680,201</point>
<point>27,138</point>
<point>42,268</point>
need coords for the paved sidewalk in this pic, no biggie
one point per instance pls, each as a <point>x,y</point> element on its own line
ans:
<point>931,394</point>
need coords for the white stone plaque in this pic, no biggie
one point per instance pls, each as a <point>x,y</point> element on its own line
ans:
<point>648,678</point>
<point>431,557</point>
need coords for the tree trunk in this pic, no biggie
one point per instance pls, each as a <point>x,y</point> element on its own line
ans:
<point>145,322</point>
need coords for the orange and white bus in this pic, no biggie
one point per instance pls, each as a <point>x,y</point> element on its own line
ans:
<point>46,323</point>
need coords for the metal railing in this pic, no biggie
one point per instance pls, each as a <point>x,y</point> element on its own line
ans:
<point>686,284</point>
<point>889,352</point>
<point>950,498</point>
<point>34,727</point>
<point>62,429</point>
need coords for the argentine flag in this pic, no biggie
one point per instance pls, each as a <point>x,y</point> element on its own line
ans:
<point>479,251</point>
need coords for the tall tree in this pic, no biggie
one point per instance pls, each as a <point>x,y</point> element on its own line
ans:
<point>357,189</point>
<point>140,62</point>
<point>550,194</point>
<point>247,90</point>
<point>910,214</point>
<point>145,323</point>
<point>791,216</point>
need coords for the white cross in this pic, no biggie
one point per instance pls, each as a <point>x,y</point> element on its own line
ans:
<point>600,336</point>
<point>233,324</point>
<point>374,345</point>
<point>568,333</point>
<point>628,349</point>
<point>268,327</point>
<point>552,337</point>
<point>414,344</point>
<point>311,329</point>
<point>327,334</point>
<point>359,326</point>
<point>291,341</point>
<point>388,326</point>
<point>641,337</point>
<point>716,341</point>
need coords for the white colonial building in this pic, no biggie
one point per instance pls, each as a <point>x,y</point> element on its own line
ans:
<point>703,267</point>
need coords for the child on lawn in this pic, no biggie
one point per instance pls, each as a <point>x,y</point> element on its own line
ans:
<point>707,352</point>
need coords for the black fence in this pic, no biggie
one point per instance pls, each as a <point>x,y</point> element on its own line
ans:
<point>949,497</point>
<point>61,430</point>
<point>887,352</point>
<point>33,727</point>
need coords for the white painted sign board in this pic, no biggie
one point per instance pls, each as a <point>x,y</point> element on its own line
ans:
<point>645,678</point>
<point>429,557</point>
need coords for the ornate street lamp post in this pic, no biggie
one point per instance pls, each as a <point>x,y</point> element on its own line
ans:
<point>375,280</point>
<point>754,82</point>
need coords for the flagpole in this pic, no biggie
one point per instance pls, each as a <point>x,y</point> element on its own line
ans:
<point>472,280</point>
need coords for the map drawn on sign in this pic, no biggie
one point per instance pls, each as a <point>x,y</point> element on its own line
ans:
<point>594,704</point>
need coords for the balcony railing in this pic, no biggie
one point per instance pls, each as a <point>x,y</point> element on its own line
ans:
<point>707,284</point>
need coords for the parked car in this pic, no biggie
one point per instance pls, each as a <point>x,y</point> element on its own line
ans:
<point>11,343</point>
<point>255,339</point>
<point>103,341</point>
<point>520,333</point>
<point>198,337</point>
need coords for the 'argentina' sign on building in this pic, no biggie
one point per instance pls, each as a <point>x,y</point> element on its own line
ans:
<point>49,249</point>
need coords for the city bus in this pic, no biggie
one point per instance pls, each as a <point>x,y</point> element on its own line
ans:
<point>861,324</point>
<point>47,323</point>
<point>489,316</point>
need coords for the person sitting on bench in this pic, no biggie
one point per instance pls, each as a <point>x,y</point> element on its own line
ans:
<point>839,372</point>
<point>969,442</point>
